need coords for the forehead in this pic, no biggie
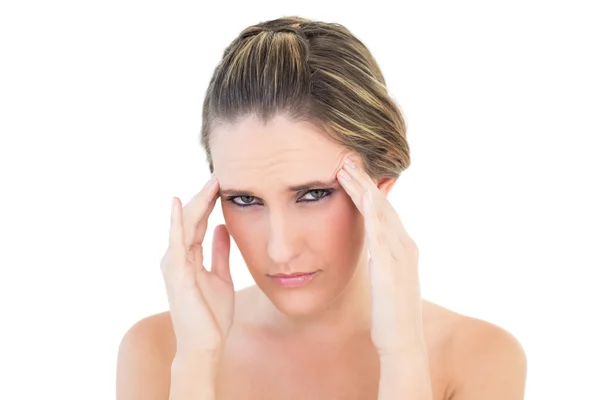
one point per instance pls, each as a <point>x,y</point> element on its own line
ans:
<point>283,151</point>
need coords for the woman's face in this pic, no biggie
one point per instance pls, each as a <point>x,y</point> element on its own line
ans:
<point>285,210</point>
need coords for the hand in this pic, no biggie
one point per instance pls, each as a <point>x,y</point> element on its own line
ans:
<point>201,302</point>
<point>395,292</point>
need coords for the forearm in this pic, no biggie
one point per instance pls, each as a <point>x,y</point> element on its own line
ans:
<point>405,376</point>
<point>193,377</point>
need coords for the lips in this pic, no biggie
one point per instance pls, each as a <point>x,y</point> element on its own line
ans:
<point>292,274</point>
<point>293,280</point>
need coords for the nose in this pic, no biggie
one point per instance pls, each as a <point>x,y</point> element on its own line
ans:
<point>283,239</point>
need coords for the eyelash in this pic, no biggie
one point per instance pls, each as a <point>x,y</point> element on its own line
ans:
<point>326,193</point>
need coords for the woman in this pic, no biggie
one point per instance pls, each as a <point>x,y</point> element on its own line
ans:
<point>304,143</point>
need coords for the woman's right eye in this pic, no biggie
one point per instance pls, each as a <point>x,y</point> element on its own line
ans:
<point>243,201</point>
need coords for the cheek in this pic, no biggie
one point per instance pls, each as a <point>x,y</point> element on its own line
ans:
<point>244,228</point>
<point>341,233</point>
<point>238,226</point>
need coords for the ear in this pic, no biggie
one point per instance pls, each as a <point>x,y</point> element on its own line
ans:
<point>386,184</point>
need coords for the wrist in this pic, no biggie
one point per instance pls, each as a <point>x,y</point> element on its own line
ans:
<point>404,345</point>
<point>405,375</point>
<point>406,356</point>
<point>196,359</point>
<point>194,375</point>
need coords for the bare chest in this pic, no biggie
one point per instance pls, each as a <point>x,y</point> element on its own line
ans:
<point>299,377</point>
<point>268,372</point>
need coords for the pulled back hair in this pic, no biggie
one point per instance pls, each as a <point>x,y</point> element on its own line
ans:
<point>314,72</point>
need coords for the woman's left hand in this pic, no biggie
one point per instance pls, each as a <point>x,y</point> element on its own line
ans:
<point>393,267</point>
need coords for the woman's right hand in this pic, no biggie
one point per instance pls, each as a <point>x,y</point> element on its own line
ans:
<point>201,302</point>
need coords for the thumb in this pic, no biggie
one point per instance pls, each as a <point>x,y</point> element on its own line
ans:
<point>220,253</point>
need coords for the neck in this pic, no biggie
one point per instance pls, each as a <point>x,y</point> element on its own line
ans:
<point>347,317</point>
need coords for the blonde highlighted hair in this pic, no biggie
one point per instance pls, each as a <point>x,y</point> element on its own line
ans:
<point>310,71</point>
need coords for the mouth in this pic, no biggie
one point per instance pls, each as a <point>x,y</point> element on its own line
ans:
<point>291,275</point>
<point>295,279</point>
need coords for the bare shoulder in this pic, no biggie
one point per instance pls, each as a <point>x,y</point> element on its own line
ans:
<point>144,360</point>
<point>147,350</point>
<point>485,360</point>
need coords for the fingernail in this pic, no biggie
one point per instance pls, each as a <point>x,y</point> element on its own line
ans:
<point>349,163</point>
<point>344,175</point>
<point>212,180</point>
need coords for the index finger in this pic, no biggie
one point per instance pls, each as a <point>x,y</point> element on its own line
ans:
<point>176,231</point>
<point>197,210</point>
<point>358,183</point>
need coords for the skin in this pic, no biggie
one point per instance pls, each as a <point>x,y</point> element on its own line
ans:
<point>329,339</point>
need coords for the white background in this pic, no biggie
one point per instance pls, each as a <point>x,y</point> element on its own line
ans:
<point>100,113</point>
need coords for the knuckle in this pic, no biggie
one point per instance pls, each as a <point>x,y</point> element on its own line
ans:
<point>411,246</point>
<point>381,237</point>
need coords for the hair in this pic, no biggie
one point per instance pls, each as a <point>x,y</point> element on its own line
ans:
<point>309,71</point>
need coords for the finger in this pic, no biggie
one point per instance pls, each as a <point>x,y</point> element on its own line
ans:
<point>176,229</point>
<point>352,188</point>
<point>378,245</point>
<point>196,257</point>
<point>374,214</point>
<point>176,253</point>
<point>377,239</point>
<point>220,253</point>
<point>360,175</point>
<point>391,256</point>
<point>196,212</point>
<point>356,182</point>
<point>385,210</point>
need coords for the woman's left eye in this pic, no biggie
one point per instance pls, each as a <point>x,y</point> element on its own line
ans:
<point>316,195</point>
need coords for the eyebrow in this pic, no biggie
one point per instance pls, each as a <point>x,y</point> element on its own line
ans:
<point>297,188</point>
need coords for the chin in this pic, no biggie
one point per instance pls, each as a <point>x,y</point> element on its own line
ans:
<point>300,302</point>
